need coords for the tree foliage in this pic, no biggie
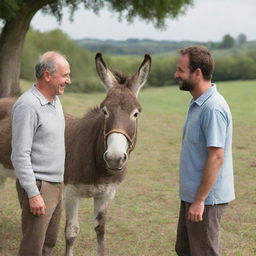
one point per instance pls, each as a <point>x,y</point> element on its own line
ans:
<point>241,39</point>
<point>149,10</point>
<point>9,9</point>
<point>16,16</point>
<point>227,42</point>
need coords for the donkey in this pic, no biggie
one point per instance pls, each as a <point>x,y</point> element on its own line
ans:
<point>98,146</point>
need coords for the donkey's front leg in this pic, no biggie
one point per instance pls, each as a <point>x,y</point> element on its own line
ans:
<point>99,226</point>
<point>100,210</point>
<point>72,203</point>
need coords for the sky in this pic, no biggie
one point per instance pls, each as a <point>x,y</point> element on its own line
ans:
<point>207,20</point>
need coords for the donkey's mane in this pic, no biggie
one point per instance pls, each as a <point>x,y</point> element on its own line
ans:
<point>92,112</point>
<point>120,77</point>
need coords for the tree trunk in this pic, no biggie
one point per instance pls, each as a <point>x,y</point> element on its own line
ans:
<point>11,44</point>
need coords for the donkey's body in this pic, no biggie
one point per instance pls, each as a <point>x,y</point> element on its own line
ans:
<point>5,138</point>
<point>97,147</point>
<point>85,175</point>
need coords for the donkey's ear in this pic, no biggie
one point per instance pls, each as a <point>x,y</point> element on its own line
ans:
<point>140,77</point>
<point>104,73</point>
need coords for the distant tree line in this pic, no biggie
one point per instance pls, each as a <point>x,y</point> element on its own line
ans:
<point>231,64</point>
<point>228,42</point>
<point>239,66</point>
<point>135,46</point>
<point>131,46</point>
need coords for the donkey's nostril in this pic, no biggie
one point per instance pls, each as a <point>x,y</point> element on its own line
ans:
<point>125,157</point>
<point>115,161</point>
<point>105,156</point>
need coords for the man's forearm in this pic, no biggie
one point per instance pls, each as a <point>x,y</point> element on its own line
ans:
<point>210,174</point>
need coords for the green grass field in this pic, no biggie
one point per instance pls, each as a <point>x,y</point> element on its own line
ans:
<point>142,218</point>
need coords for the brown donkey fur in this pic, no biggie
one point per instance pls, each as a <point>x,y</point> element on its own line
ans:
<point>91,170</point>
<point>6,131</point>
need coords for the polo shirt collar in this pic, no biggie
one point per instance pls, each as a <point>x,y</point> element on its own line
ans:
<point>40,96</point>
<point>207,94</point>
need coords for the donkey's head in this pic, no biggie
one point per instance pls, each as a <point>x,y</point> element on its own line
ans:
<point>120,109</point>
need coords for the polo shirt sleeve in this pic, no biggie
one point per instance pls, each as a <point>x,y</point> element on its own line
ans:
<point>214,126</point>
<point>24,123</point>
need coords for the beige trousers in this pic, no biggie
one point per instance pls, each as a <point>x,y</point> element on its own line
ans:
<point>40,232</point>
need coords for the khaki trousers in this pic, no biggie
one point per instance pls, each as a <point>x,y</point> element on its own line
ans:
<point>40,232</point>
<point>199,238</point>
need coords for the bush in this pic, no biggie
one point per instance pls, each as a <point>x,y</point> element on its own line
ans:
<point>232,66</point>
<point>242,66</point>
<point>163,70</point>
<point>87,85</point>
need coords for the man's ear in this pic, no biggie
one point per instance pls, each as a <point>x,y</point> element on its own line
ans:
<point>198,72</point>
<point>47,76</point>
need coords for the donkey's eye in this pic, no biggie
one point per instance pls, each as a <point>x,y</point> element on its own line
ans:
<point>105,111</point>
<point>135,114</point>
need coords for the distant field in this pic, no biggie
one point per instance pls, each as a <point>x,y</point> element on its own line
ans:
<point>142,218</point>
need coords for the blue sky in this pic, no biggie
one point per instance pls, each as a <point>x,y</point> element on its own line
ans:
<point>207,20</point>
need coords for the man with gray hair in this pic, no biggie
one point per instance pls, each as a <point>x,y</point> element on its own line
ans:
<point>38,154</point>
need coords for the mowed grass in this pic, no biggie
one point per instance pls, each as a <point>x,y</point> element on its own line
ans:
<point>142,218</point>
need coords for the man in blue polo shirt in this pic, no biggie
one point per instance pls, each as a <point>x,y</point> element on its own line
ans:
<point>206,167</point>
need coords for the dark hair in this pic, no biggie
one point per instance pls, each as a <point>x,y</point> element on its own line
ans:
<point>199,57</point>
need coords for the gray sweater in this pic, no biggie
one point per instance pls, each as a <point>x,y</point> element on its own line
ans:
<point>38,149</point>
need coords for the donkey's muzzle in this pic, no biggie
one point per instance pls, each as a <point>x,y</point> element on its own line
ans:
<point>115,161</point>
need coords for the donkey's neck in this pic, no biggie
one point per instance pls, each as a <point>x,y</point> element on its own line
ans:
<point>84,150</point>
<point>81,137</point>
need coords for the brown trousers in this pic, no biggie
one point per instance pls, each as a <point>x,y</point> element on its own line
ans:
<point>40,232</point>
<point>199,238</point>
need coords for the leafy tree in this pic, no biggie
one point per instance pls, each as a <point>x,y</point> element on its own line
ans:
<point>241,39</point>
<point>16,16</point>
<point>227,42</point>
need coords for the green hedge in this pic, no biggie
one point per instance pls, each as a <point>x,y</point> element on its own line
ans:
<point>235,66</point>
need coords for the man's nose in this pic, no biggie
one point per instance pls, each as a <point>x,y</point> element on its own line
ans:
<point>68,80</point>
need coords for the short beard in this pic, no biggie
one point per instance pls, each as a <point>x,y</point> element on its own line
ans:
<point>187,85</point>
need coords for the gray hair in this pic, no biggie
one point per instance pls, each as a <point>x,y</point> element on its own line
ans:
<point>47,61</point>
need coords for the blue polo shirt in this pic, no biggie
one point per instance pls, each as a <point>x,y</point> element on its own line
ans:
<point>208,124</point>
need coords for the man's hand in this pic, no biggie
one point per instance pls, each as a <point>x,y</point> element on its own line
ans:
<point>37,205</point>
<point>195,212</point>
